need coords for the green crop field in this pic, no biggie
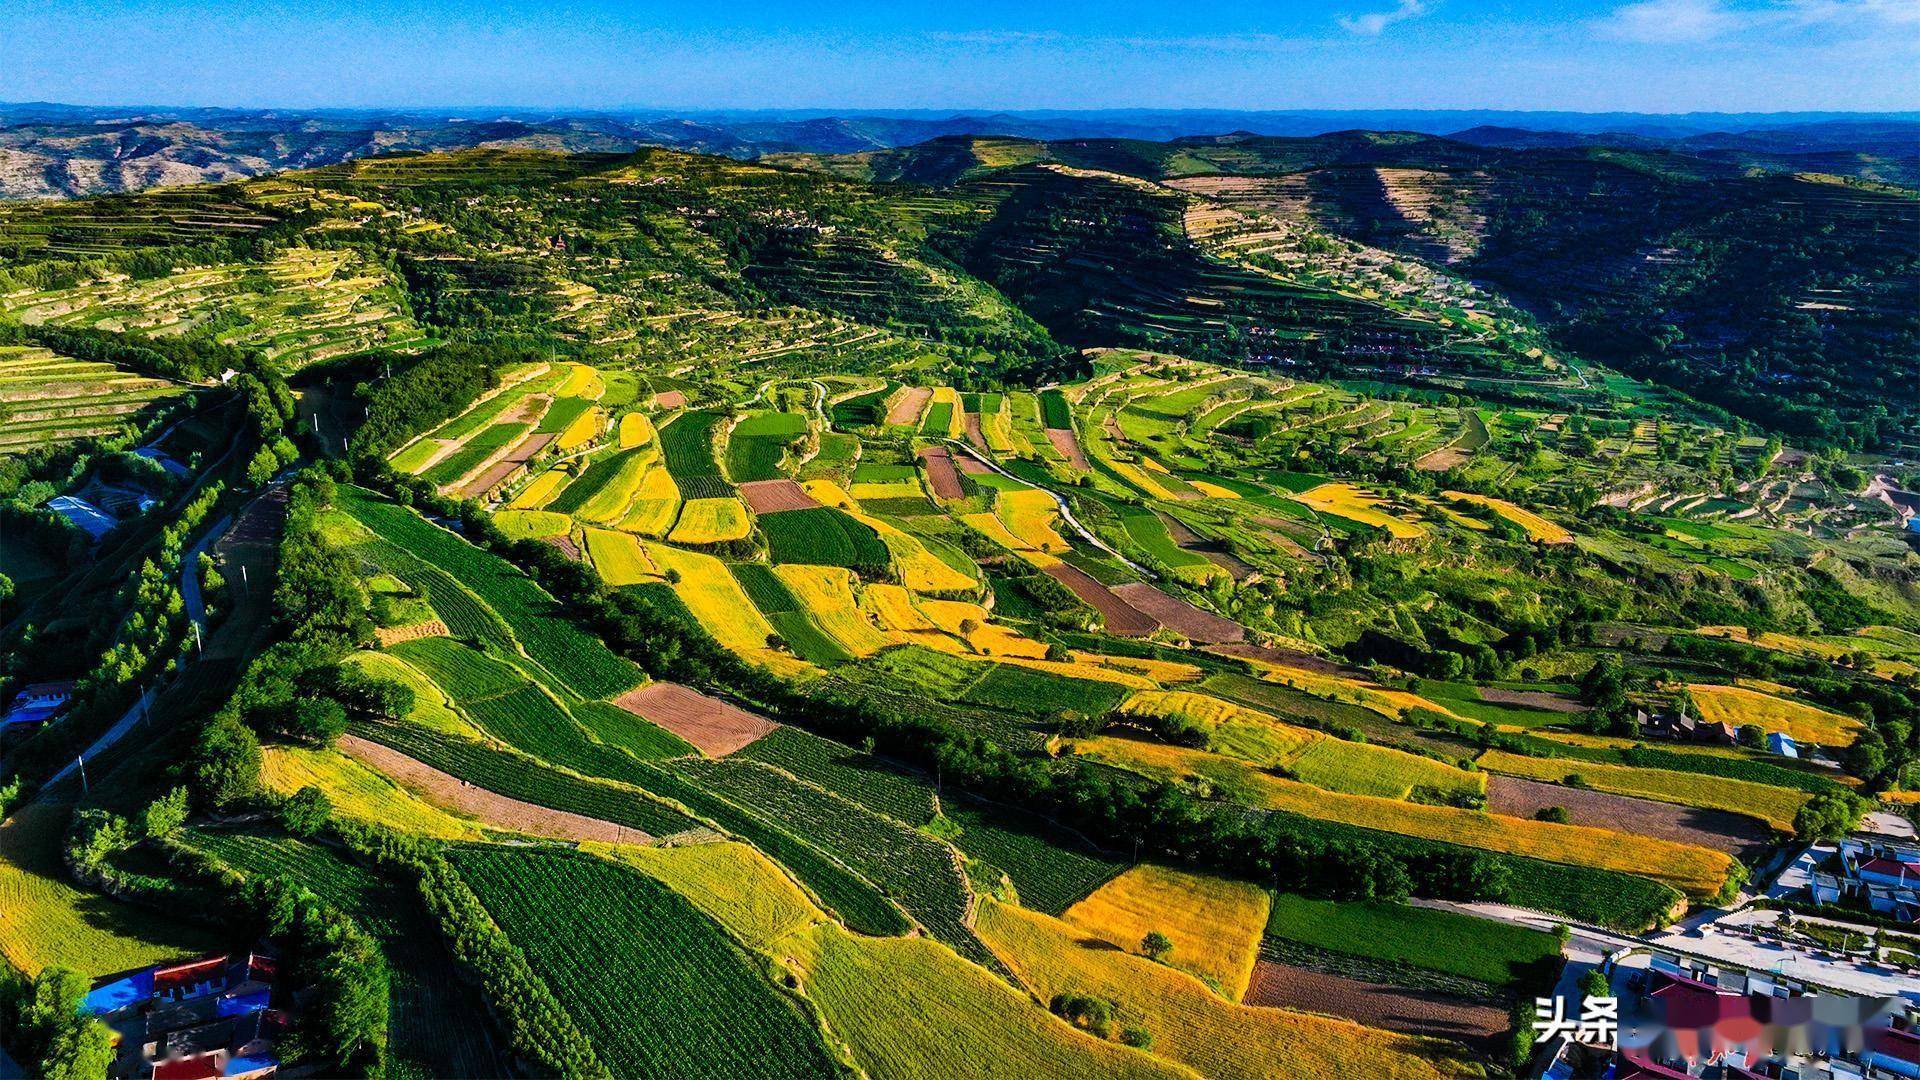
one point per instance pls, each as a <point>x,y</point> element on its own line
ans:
<point>913,869</point>
<point>653,983</point>
<point>822,536</point>
<point>1480,949</point>
<point>578,660</point>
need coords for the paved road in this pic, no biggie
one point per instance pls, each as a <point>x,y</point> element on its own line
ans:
<point>196,612</point>
<point>1066,508</point>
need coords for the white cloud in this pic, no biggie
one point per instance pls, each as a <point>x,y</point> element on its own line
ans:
<point>1671,22</point>
<point>1683,22</point>
<point>1372,23</point>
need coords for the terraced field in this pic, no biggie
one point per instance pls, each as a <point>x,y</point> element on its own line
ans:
<point>47,399</point>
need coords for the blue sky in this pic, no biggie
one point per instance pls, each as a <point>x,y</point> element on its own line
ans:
<point>1591,55</point>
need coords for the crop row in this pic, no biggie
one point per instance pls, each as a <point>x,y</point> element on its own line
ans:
<point>654,984</point>
<point>907,865</point>
<point>518,776</point>
<point>688,444</point>
<point>579,660</point>
<point>822,536</point>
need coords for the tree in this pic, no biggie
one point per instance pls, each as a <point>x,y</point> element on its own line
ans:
<point>1829,815</point>
<point>1753,736</point>
<point>224,767</point>
<point>306,811</point>
<point>317,720</point>
<point>1156,946</point>
<point>1555,814</point>
<point>1594,984</point>
<point>163,816</point>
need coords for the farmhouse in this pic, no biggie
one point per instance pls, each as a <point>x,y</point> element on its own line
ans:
<point>208,1017</point>
<point>1782,744</point>
<point>1885,877</point>
<point>1682,726</point>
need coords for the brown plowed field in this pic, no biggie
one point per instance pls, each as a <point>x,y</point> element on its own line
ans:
<point>971,465</point>
<point>1736,834</point>
<point>1394,1008</point>
<point>1201,626</point>
<point>910,406</point>
<point>1069,446</point>
<point>714,726</point>
<point>567,547</point>
<point>1304,661</point>
<point>670,399</point>
<point>1122,618</point>
<point>773,496</point>
<point>1532,699</point>
<point>974,434</point>
<point>507,466</point>
<point>449,792</point>
<point>1238,569</point>
<point>941,476</point>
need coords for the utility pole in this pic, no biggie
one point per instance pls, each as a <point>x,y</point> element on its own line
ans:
<point>82,762</point>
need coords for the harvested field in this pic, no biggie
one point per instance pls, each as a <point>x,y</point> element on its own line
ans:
<point>452,793</point>
<point>911,404</point>
<point>1122,618</point>
<point>773,496</point>
<point>1736,834</point>
<point>1069,446</point>
<point>941,476</point>
<point>393,635</point>
<point>1202,626</point>
<point>715,726</point>
<point>1391,1008</point>
<point>971,465</point>
<point>1803,722</point>
<point>496,474</point>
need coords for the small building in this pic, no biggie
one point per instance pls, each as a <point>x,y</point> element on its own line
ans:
<point>36,704</point>
<point>1781,744</point>
<point>91,520</point>
<point>1682,726</point>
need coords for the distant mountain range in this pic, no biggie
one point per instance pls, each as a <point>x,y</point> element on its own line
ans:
<point>59,151</point>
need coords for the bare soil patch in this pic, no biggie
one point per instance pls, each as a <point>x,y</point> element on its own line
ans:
<point>1532,699</point>
<point>1122,618</point>
<point>1069,446</point>
<point>670,399</point>
<point>714,726</point>
<point>1395,1008</point>
<point>911,404</point>
<point>971,465</point>
<point>1736,834</point>
<point>1291,658</point>
<point>1236,568</point>
<point>1198,625</point>
<point>498,472</point>
<point>567,547</point>
<point>449,792</point>
<point>974,434</point>
<point>773,496</point>
<point>941,476</point>
<point>1441,460</point>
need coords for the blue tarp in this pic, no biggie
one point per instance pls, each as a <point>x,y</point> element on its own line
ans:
<point>241,1004</point>
<point>82,513</point>
<point>121,992</point>
<point>249,1063</point>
